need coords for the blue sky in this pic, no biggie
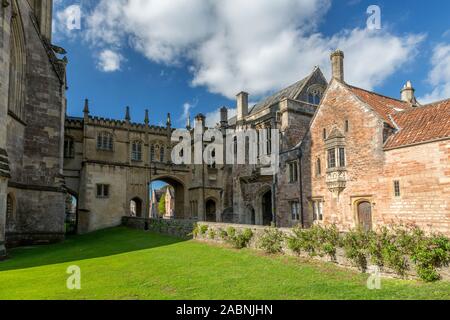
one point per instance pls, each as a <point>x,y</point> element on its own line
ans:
<point>173,56</point>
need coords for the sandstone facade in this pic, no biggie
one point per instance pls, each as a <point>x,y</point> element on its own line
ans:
<point>377,161</point>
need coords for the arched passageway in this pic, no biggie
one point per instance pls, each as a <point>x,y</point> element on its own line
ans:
<point>167,198</point>
<point>71,213</point>
<point>136,207</point>
<point>211,210</point>
<point>266,206</point>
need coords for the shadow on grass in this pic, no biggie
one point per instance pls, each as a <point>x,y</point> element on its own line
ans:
<point>94,245</point>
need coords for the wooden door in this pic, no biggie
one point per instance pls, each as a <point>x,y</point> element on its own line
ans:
<point>365,215</point>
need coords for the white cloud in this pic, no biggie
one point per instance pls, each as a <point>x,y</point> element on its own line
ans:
<point>187,107</point>
<point>254,45</point>
<point>439,76</point>
<point>66,20</point>
<point>109,61</point>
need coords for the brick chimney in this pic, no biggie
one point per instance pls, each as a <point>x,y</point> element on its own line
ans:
<point>407,93</point>
<point>242,106</point>
<point>337,65</point>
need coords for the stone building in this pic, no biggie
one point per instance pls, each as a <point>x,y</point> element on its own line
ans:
<point>169,199</point>
<point>253,198</point>
<point>32,110</point>
<point>375,160</point>
<point>110,164</point>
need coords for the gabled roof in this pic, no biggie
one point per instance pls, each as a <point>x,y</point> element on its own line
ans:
<point>422,124</point>
<point>385,107</point>
<point>292,92</point>
<point>414,125</point>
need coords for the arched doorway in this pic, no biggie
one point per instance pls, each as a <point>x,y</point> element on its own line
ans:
<point>211,211</point>
<point>71,214</point>
<point>266,206</point>
<point>171,191</point>
<point>365,215</point>
<point>136,207</point>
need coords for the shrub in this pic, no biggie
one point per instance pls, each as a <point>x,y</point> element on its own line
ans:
<point>386,249</point>
<point>356,246</point>
<point>231,232</point>
<point>223,234</point>
<point>317,240</point>
<point>212,234</point>
<point>203,229</point>
<point>271,241</point>
<point>240,240</point>
<point>429,254</point>
<point>195,231</point>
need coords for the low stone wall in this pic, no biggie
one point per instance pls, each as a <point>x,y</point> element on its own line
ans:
<point>340,258</point>
<point>176,228</point>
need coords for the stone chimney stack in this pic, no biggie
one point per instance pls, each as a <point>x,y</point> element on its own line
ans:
<point>224,117</point>
<point>200,121</point>
<point>337,65</point>
<point>242,106</point>
<point>407,93</point>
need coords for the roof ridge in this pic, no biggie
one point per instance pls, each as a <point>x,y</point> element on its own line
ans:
<point>378,94</point>
<point>436,102</point>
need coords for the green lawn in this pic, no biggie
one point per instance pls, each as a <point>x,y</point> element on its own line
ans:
<point>129,264</point>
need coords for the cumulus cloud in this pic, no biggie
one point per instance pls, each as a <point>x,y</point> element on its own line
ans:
<point>187,107</point>
<point>109,61</point>
<point>439,76</point>
<point>66,20</point>
<point>256,45</point>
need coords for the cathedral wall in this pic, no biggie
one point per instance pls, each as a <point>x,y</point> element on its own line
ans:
<point>34,137</point>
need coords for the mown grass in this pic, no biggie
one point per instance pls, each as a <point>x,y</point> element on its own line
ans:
<point>122,263</point>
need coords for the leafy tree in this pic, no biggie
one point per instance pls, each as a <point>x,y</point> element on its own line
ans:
<point>162,205</point>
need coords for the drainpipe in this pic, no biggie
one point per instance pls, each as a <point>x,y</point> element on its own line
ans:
<point>300,157</point>
<point>274,199</point>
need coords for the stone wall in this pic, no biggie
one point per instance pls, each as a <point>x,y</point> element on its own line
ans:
<point>32,109</point>
<point>370,171</point>
<point>340,260</point>
<point>177,228</point>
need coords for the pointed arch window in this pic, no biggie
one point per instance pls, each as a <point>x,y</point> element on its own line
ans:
<point>69,148</point>
<point>136,151</point>
<point>315,94</point>
<point>161,154</point>
<point>152,153</point>
<point>105,141</point>
<point>16,66</point>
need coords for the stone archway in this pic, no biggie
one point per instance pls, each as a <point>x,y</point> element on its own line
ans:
<point>181,207</point>
<point>211,210</point>
<point>72,219</point>
<point>263,206</point>
<point>136,207</point>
